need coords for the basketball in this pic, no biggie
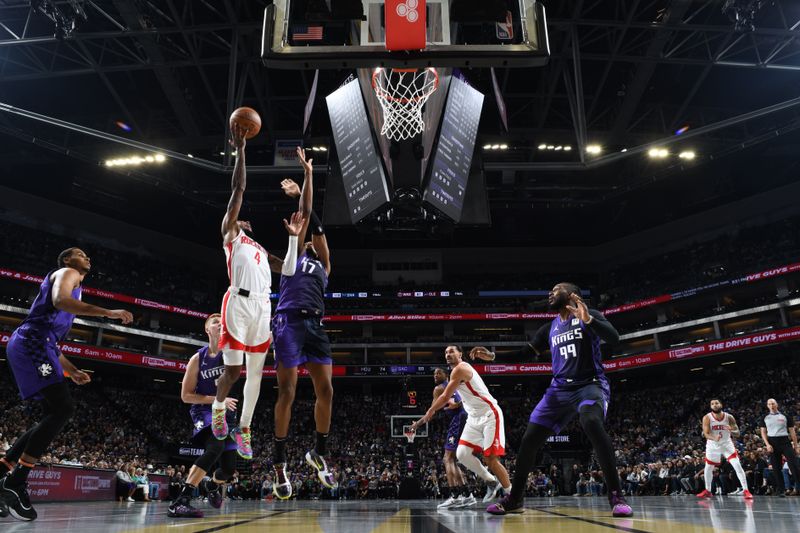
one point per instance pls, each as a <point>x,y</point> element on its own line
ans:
<point>247,118</point>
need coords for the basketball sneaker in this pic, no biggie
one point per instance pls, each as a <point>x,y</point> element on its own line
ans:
<point>449,503</point>
<point>214,494</point>
<point>619,507</point>
<point>181,508</point>
<point>243,444</point>
<point>747,495</point>
<point>282,488</point>
<point>737,492</point>
<point>3,509</point>
<point>466,501</point>
<point>317,462</point>
<point>491,491</point>
<point>506,505</point>
<point>219,426</point>
<point>705,494</point>
<point>17,500</point>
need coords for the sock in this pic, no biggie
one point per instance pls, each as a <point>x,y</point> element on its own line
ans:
<point>19,475</point>
<point>279,451</point>
<point>217,405</point>
<point>708,474</point>
<point>474,464</point>
<point>321,447</point>
<point>186,492</point>
<point>6,466</point>
<point>737,467</point>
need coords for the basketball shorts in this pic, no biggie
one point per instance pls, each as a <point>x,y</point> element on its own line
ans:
<point>454,431</point>
<point>716,450</point>
<point>33,357</point>
<point>201,425</point>
<point>560,404</point>
<point>485,434</point>
<point>299,340</point>
<point>245,326</point>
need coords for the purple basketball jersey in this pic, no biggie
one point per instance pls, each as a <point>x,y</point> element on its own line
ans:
<point>32,350</point>
<point>306,289</point>
<point>575,351</point>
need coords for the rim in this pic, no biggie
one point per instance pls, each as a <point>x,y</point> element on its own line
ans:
<point>383,94</point>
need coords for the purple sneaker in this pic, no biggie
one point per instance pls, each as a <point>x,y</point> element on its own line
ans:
<point>619,506</point>
<point>505,506</point>
<point>183,509</point>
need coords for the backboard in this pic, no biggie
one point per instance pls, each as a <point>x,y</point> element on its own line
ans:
<point>341,34</point>
<point>398,422</point>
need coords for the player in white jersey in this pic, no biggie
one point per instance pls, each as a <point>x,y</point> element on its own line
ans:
<point>718,428</point>
<point>246,307</point>
<point>484,432</point>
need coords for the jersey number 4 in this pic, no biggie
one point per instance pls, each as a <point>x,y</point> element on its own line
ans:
<point>568,350</point>
<point>258,258</point>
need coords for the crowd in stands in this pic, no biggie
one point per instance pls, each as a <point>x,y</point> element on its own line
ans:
<point>121,425</point>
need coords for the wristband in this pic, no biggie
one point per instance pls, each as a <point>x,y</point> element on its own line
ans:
<point>316,225</point>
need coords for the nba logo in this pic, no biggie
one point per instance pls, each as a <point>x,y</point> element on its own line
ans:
<point>505,30</point>
<point>406,24</point>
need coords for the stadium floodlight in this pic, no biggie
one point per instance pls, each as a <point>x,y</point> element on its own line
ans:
<point>594,149</point>
<point>687,155</point>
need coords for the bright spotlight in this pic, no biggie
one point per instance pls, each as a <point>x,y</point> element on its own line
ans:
<point>542,147</point>
<point>160,158</point>
<point>688,155</point>
<point>594,149</point>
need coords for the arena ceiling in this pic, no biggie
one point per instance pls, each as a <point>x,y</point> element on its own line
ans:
<point>623,74</point>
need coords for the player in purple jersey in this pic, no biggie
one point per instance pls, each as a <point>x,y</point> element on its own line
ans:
<point>579,386</point>
<point>39,369</point>
<point>456,419</point>
<point>199,388</point>
<point>300,339</point>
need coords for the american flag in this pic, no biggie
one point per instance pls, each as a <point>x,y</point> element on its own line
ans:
<point>305,32</point>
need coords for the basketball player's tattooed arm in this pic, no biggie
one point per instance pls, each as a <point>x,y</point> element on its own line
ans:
<point>189,385</point>
<point>230,226</point>
<point>459,373</point>
<point>65,281</point>
<point>735,432</point>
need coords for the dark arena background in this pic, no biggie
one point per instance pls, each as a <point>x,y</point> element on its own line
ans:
<point>486,173</point>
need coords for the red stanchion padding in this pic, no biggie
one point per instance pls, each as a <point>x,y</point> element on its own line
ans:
<point>405,24</point>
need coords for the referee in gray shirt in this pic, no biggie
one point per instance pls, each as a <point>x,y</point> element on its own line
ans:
<point>776,428</point>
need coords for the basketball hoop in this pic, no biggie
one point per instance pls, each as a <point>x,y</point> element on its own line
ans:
<point>402,93</point>
<point>409,433</point>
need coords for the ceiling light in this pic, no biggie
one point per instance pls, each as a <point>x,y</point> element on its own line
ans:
<point>487,146</point>
<point>594,149</point>
<point>550,147</point>
<point>495,147</point>
<point>149,158</point>
<point>658,153</point>
<point>567,148</point>
<point>542,147</point>
<point>688,155</point>
<point>559,147</point>
<point>624,150</point>
<point>504,147</point>
<point>190,156</point>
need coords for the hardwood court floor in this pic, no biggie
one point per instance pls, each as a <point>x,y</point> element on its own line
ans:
<point>652,514</point>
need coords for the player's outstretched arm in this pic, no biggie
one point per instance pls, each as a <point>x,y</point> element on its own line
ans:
<point>65,281</point>
<point>306,195</point>
<point>230,227</point>
<point>293,229</point>
<point>482,353</point>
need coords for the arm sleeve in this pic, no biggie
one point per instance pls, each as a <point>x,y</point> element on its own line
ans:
<point>601,327</point>
<point>290,261</point>
<point>540,341</point>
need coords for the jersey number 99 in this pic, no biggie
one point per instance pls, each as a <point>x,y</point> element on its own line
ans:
<point>568,350</point>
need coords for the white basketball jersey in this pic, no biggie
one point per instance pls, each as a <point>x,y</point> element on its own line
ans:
<point>475,396</point>
<point>248,265</point>
<point>720,427</point>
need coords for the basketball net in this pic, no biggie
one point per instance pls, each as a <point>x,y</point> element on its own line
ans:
<point>402,93</point>
<point>409,433</point>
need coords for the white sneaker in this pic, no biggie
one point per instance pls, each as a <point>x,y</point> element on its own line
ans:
<point>491,491</point>
<point>449,502</point>
<point>737,492</point>
<point>469,501</point>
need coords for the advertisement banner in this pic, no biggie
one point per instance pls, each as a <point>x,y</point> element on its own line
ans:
<point>63,483</point>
